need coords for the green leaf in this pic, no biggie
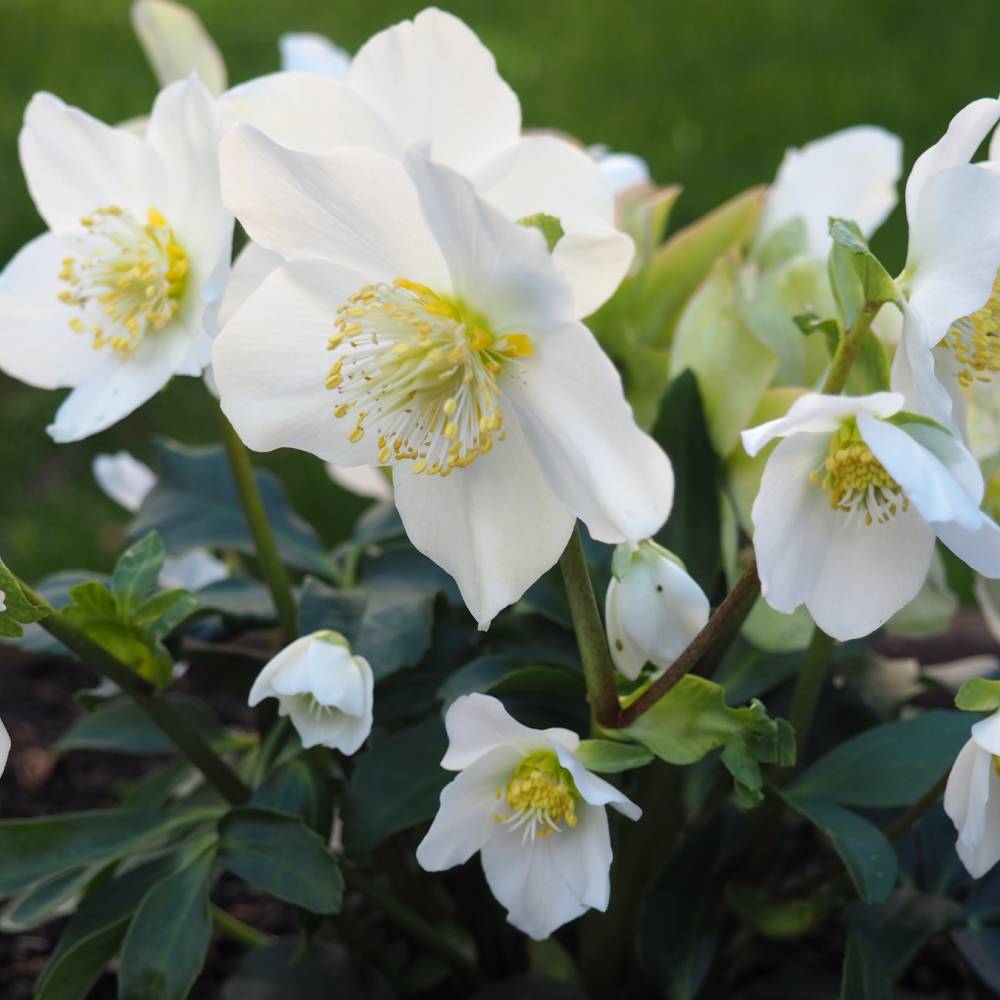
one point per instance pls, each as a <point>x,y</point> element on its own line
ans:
<point>395,785</point>
<point>499,673</point>
<point>195,504</point>
<point>34,849</point>
<point>296,787</point>
<point>692,530</point>
<point>121,726</point>
<point>876,285</point>
<point>18,610</point>
<point>777,918</point>
<point>980,947</point>
<point>168,938</point>
<point>163,612</point>
<point>548,225</point>
<point>713,341</point>
<point>45,901</point>
<point>280,854</point>
<point>136,572</point>
<point>867,855</point>
<point>887,766</point>
<point>870,371</point>
<point>978,695</point>
<point>864,978</point>
<point>612,757</point>
<point>693,719</point>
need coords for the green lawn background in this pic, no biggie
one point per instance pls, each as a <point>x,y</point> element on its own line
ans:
<point>710,93</point>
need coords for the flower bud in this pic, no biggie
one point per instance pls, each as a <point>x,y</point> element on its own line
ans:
<point>325,690</point>
<point>653,608</point>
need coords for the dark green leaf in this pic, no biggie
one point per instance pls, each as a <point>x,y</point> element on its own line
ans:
<point>298,788</point>
<point>864,977</point>
<point>45,901</point>
<point>395,785</point>
<point>498,673</point>
<point>280,854</point>
<point>778,918</point>
<point>530,987</point>
<point>981,949</point>
<point>321,607</point>
<point>168,938</point>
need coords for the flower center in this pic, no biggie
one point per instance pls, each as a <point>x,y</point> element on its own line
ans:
<point>975,341</point>
<point>855,480</point>
<point>134,274</point>
<point>540,795</point>
<point>420,371</point>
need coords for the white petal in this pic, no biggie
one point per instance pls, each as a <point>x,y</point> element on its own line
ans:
<point>965,134</point>
<point>74,164</point>
<point>956,792</point>
<point>118,386</point>
<point>851,174</point>
<point>495,526</point>
<point>623,170</point>
<point>478,724</point>
<point>124,479</point>
<point>271,360</point>
<point>36,344</point>
<point>570,402</point>
<point>251,266</point>
<point>979,838</point>
<point>986,733</point>
<point>193,570</point>
<point>595,790</point>
<point>954,247</point>
<point>926,482</point>
<point>177,44</point>
<point>914,374</point>
<point>978,548</point>
<point>354,206</point>
<point>435,82</point>
<point>464,820</point>
<point>501,269</point>
<point>952,454</point>
<point>816,413</point>
<point>583,856</point>
<point>594,260</point>
<point>308,52</point>
<point>362,480</point>
<point>4,747</point>
<point>628,656</point>
<point>184,129</point>
<point>309,112</point>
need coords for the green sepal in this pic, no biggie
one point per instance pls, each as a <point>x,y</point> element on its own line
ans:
<point>612,756</point>
<point>978,695</point>
<point>875,285</point>
<point>548,225</point>
<point>17,610</point>
<point>787,241</point>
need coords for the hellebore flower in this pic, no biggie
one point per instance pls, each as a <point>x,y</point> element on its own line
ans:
<point>653,609</point>
<point>327,692</point>
<point>849,506</point>
<point>533,811</point>
<point>121,294</point>
<point>417,327</point>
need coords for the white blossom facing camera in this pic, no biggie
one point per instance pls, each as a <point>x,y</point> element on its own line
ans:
<point>121,294</point>
<point>327,692</point>
<point>535,814</point>
<point>972,798</point>
<point>422,330</point>
<point>653,609</point>
<point>850,504</point>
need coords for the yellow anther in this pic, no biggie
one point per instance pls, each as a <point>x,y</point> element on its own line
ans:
<point>450,406</point>
<point>154,218</point>
<point>356,435</point>
<point>541,797</point>
<point>517,345</point>
<point>481,339</point>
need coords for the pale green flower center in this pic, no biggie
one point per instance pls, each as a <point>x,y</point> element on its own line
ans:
<point>975,341</point>
<point>855,481</point>
<point>540,797</point>
<point>420,371</point>
<point>135,273</point>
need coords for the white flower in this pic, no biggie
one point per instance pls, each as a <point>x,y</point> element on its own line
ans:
<point>415,326</point>
<point>306,52</point>
<point>952,302</point>
<point>4,747</point>
<point>850,174</point>
<point>431,80</point>
<point>972,798</point>
<point>177,44</point>
<point>623,170</point>
<point>128,481</point>
<point>533,811</point>
<point>121,294</point>
<point>653,609</point>
<point>850,503</point>
<point>327,692</point>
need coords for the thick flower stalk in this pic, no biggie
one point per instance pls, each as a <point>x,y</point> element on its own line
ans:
<point>121,294</point>
<point>653,609</point>
<point>414,326</point>
<point>850,504</point>
<point>325,690</point>
<point>534,813</point>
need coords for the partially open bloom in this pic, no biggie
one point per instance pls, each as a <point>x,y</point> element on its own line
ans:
<point>415,326</point>
<point>653,609</point>
<point>972,798</point>
<point>431,80</point>
<point>121,294</point>
<point>849,506</point>
<point>850,174</point>
<point>533,811</point>
<point>176,44</point>
<point>4,747</point>
<point>307,52</point>
<point>327,692</point>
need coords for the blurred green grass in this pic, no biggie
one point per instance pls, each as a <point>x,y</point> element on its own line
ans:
<point>709,93</point>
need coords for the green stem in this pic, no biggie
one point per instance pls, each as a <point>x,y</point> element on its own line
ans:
<point>189,741</point>
<point>847,349</point>
<point>598,670</point>
<point>271,566</point>
<point>239,931</point>
<point>410,921</point>
<point>808,687</point>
